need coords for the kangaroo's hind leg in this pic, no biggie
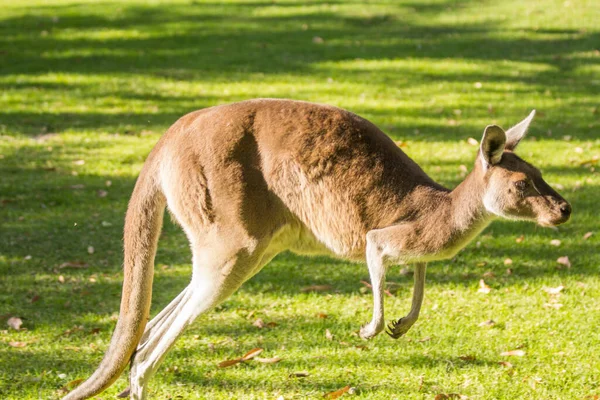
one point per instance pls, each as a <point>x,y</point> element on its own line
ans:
<point>217,274</point>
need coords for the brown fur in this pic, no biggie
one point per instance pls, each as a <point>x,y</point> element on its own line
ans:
<point>251,179</point>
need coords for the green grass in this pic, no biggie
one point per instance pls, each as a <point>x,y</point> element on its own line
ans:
<point>100,81</point>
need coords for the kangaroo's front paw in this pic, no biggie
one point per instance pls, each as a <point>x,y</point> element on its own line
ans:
<point>398,328</point>
<point>368,331</point>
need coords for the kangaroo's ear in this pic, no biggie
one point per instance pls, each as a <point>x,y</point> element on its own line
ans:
<point>492,145</point>
<point>517,132</point>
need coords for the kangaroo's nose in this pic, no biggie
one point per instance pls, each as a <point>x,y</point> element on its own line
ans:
<point>565,209</point>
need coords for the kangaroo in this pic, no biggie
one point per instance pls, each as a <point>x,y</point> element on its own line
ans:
<point>249,180</point>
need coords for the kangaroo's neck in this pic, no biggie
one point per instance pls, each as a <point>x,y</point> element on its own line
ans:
<point>451,219</point>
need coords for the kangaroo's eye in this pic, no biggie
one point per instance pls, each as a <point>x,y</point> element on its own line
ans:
<point>522,185</point>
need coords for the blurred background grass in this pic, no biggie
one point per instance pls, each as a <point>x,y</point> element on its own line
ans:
<point>87,87</point>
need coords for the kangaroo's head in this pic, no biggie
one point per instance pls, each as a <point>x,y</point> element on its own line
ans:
<point>515,189</point>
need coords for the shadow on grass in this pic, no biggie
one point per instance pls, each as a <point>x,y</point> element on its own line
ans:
<point>210,42</point>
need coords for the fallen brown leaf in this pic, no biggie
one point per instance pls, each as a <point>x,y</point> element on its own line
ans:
<point>17,344</point>
<point>251,354</point>
<point>483,288</point>
<point>564,261</point>
<point>124,394</point>
<point>71,385</point>
<point>518,353</point>
<point>272,360</point>
<point>468,357</point>
<point>248,356</point>
<point>322,315</point>
<point>259,323</point>
<point>555,242</point>
<point>299,374</point>
<point>520,239</point>
<point>368,285</point>
<point>34,298</point>
<point>425,339</point>
<point>15,323</point>
<point>489,322</point>
<point>316,288</point>
<point>554,290</point>
<point>505,364</point>
<point>73,264</point>
<point>337,393</point>
<point>587,235</point>
<point>328,335</point>
<point>508,261</point>
<point>229,363</point>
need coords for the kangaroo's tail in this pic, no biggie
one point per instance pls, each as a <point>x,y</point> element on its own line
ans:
<point>143,224</point>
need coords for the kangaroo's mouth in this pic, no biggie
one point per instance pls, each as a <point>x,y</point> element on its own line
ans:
<point>549,223</point>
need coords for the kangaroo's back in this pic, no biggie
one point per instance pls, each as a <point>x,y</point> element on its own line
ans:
<point>334,171</point>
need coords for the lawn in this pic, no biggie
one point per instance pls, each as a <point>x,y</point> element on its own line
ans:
<point>88,87</point>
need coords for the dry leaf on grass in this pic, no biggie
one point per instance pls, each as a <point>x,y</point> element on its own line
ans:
<point>425,339</point>
<point>587,235</point>
<point>518,353</point>
<point>555,242</point>
<point>468,357</point>
<point>489,322</point>
<point>520,239</point>
<point>316,288</point>
<point>508,261</point>
<point>553,290</point>
<point>248,356</point>
<point>259,323</point>
<point>368,285</point>
<point>73,264</point>
<point>251,354</point>
<point>272,360</point>
<point>328,335</point>
<point>322,315</point>
<point>483,288</point>
<point>299,374</point>
<point>229,363</point>
<point>15,323</point>
<point>17,344</point>
<point>472,141</point>
<point>71,385</point>
<point>564,261</point>
<point>505,364</point>
<point>337,393</point>
<point>124,394</point>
